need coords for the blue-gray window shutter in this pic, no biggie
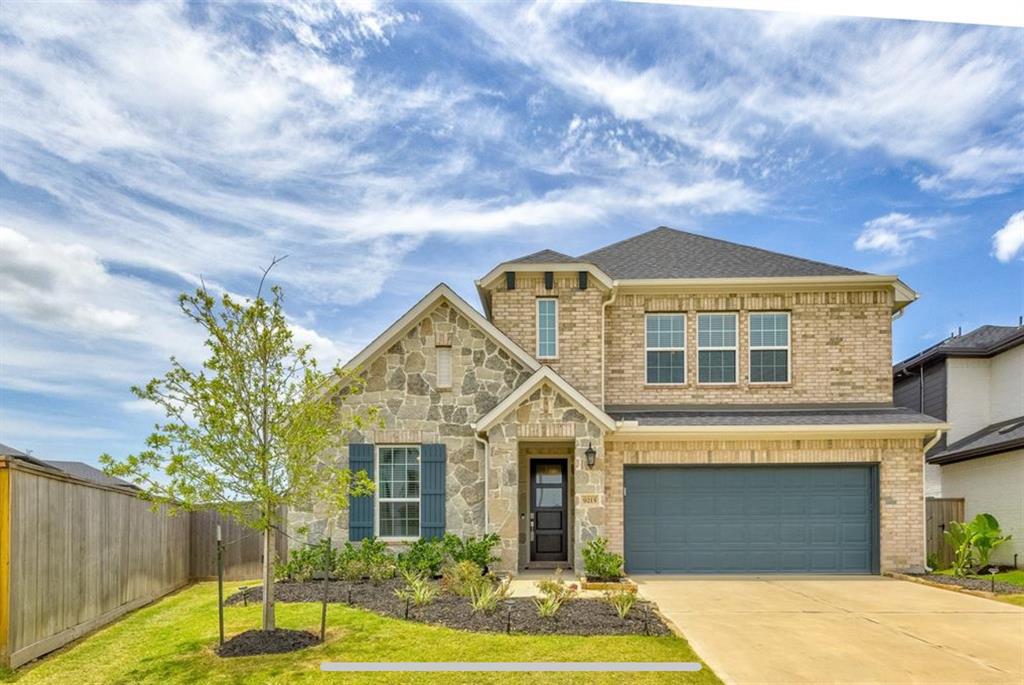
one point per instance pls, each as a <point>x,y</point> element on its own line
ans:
<point>432,472</point>
<point>360,509</point>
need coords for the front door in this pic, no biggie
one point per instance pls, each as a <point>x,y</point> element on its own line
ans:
<point>548,526</point>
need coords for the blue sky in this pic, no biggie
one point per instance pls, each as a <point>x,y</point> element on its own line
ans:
<point>386,147</point>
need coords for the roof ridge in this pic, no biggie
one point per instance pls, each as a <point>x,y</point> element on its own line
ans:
<point>723,241</point>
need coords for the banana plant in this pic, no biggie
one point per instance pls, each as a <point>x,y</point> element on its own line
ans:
<point>987,536</point>
<point>973,543</point>
<point>958,535</point>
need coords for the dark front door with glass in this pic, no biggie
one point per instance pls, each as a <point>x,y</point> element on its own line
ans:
<point>548,520</point>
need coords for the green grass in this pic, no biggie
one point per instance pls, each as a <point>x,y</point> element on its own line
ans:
<point>1015,577</point>
<point>172,641</point>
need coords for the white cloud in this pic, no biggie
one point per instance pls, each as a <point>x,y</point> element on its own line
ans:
<point>1008,241</point>
<point>896,233</point>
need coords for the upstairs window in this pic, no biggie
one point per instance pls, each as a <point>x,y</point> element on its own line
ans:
<point>716,348</point>
<point>769,347</point>
<point>666,349</point>
<point>444,367</point>
<point>398,491</point>
<point>547,328</point>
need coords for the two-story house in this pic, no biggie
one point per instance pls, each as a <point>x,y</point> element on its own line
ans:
<point>974,382</point>
<point>706,406</point>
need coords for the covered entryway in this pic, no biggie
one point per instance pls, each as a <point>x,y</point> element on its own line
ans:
<point>751,519</point>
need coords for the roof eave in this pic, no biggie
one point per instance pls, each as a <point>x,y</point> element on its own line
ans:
<point>976,453</point>
<point>494,274</point>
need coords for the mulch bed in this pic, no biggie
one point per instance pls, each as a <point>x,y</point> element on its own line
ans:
<point>267,642</point>
<point>578,617</point>
<point>973,583</point>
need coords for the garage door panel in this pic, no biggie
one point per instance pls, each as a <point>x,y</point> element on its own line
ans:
<point>764,519</point>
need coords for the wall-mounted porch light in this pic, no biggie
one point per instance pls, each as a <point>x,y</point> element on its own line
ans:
<point>591,455</point>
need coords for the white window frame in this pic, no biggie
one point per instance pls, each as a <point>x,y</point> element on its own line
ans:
<point>735,349</point>
<point>682,349</point>
<point>377,498</point>
<point>789,355</point>
<point>442,351</point>
<point>537,325</point>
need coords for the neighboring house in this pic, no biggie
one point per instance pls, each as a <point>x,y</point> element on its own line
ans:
<point>92,474</point>
<point>975,382</point>
<point>708,407</point>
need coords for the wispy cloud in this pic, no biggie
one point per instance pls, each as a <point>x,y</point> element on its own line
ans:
<point>896,233</point>
<point>1008,241</point>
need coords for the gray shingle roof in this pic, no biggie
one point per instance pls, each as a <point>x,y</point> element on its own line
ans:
<point>766,416</point>
<point>983,341</point>
<point>545,257</point>
<point>993,439</point>
<point>669,253</point>
<point>8,451</point>
<point>82,470</point>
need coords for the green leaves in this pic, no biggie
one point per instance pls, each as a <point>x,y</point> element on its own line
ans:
<point>257,422</point>
<point>973,543</point>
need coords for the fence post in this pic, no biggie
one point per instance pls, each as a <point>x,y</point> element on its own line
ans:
<point>220,586</point>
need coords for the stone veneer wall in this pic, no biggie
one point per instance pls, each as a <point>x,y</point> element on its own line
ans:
<point>402,381</point>
<point>841,348</point>
<point>901,520</point>
<point>514,312</point>
<point>546,415</point>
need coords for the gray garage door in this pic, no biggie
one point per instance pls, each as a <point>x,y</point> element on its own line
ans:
<point>751,519</point>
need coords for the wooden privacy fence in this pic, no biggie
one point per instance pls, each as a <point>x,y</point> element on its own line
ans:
<point>938,513</point>
<point>75,555</point>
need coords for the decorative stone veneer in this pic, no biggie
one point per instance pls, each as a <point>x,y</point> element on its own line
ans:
<point>402,382</point>
<point>514,312</point>
<point>841,348</point>
<point>544,416</point>
<point>901,519</point>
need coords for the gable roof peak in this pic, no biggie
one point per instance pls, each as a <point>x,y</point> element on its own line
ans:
<point>544,257</point>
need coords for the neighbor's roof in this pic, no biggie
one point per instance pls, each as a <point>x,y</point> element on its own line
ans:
<point>92,474</point>
<point>994,439</point>
<point>669,253</point>
<point>768,416</point>
<point>984,341</point>
<point>8,451</point>
<point>545,257</point>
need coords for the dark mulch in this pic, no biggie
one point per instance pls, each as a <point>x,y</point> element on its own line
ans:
<point>267,642</point>
<point>578,617</point>
<point>974,583</point>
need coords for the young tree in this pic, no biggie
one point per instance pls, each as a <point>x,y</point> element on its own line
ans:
<point>251,427</point>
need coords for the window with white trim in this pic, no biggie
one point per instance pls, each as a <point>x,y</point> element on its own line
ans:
<point>398,491</point>
<point>665,349</point>
<point>716,348</point>
<point>444,367</point>
<point>769,347</point>
<point>547,327</point>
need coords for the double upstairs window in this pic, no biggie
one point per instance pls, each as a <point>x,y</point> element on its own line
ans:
<point>666,349</point>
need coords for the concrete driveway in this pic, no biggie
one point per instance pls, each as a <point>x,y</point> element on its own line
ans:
<point>841,630</point>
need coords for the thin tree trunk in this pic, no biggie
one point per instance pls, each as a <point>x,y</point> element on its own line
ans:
<point>268,579</point>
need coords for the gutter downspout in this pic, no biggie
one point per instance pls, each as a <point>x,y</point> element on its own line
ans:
<point>487,474</point>
<point>604,343</point>
<point>924,500</point>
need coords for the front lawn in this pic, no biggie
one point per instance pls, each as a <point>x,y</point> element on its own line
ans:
<point>172,640</point>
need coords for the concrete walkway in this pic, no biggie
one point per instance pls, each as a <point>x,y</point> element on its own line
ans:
<point>841,630</point>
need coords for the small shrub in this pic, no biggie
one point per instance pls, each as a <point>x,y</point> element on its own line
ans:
<point>622,600</point>
<point>973,542</point>
<point>418,590</point>
<point>307,561</point>
<point>460,578</point>
<point>599,564</point>
<point>547,606</point>
<point>484,597</point>
<point>557,588</point>
<point>381,571</point>
<point>480,552</point>
<point>933,562</point>
<point>425,557</point>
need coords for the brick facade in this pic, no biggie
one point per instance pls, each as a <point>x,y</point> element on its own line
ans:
<point>514,312</point>
<point>901,494</point>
